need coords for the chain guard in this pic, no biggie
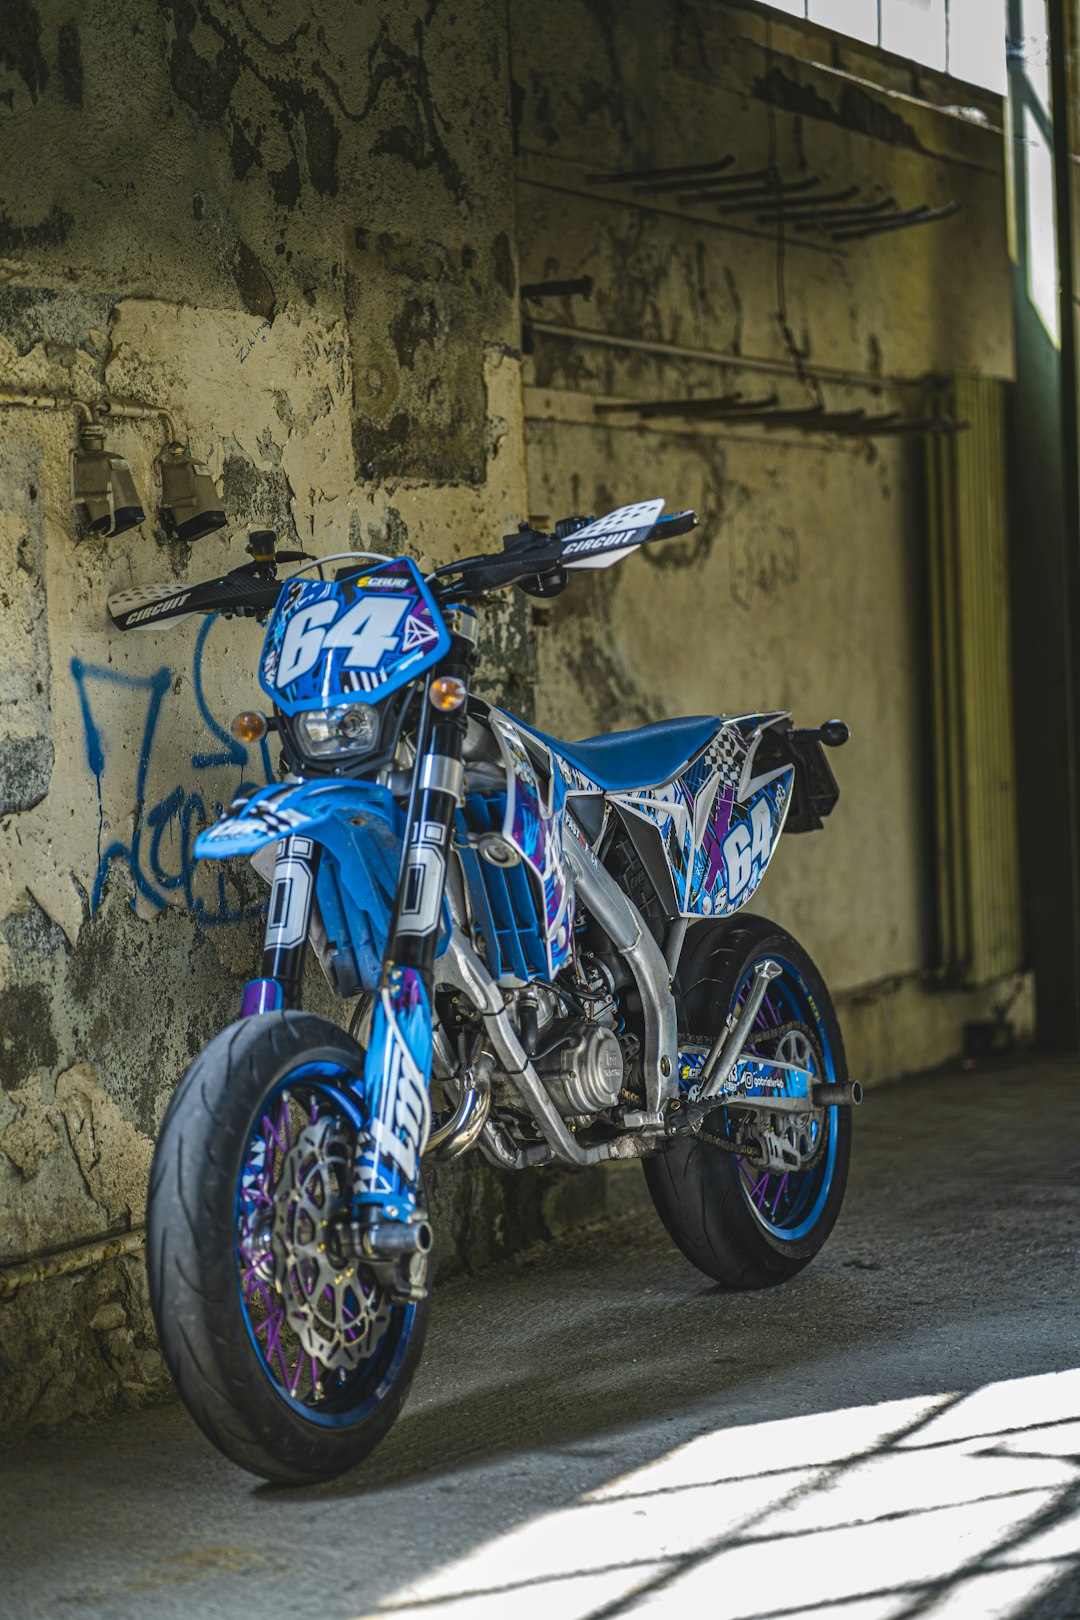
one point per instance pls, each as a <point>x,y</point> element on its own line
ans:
<point>748,1148</point>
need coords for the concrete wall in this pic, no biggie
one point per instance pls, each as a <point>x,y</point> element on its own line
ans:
<point>291,226</point>
<point>806,587</point>
<point>301,228</point>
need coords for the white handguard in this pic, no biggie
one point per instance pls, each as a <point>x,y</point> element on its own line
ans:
<point>145,607</point>
<point>597,544</point>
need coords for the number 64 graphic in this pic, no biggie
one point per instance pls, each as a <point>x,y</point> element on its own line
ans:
<point>368,631</point>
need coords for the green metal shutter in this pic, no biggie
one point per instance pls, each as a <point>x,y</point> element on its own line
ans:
<point>977,845</point>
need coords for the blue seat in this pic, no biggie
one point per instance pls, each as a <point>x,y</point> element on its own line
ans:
<point>623,760</point>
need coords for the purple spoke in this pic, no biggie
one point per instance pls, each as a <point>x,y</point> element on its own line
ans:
<point>268,1302</point>
<point>767,1008</point>
<point>272,1319</point>
<point>273,1340</point>
<point>779,1191</point>
<point>295,1385</point>
<point>273,1133</point>
<point>274,1347</point>
<point>314,1373</point>
<point>759,1190</point>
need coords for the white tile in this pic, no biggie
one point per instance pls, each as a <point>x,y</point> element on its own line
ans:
<point>598,1535</point>
<point>573,1599</point>
<point>994,1595</point>
<point>1056,1440</point>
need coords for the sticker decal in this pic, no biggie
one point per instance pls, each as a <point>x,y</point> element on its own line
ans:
<point>533,826</point>
<point>716,843</point>
<point>417,633</point>
<point>366,633</point>
<point>598,545</point>
<point>425,878</point>
<point>371,633</point>
<point>263,814</point>
<point>397,1062</point>
<point>290,897</point>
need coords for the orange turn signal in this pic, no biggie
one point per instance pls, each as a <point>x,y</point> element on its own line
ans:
<point>447,692</point>
<point>250,726</point>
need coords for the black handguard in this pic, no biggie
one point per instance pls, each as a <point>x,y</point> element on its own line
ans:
<point>535,560</point>
<point>250,590</point>
<point>531,556</point>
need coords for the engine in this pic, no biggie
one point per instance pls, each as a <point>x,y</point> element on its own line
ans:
<point>585,1072</point>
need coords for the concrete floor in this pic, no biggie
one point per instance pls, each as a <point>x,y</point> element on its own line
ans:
<point>597,1431</point>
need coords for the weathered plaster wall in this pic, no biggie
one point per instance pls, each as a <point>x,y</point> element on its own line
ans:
<point>291,226</point>
<point>806,586</point>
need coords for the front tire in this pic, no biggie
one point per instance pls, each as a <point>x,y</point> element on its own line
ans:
<point>294,1366</point>
<point>742,1225</point>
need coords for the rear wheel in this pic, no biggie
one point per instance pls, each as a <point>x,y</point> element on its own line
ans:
<point>288,1356</point>
<point>743,1220</point>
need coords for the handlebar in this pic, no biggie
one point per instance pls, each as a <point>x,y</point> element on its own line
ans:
<point>537,562</point>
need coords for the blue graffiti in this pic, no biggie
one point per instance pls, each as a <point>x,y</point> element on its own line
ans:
<point>159,856</point>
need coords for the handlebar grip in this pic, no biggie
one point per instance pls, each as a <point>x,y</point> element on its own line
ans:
<point>676,523</point>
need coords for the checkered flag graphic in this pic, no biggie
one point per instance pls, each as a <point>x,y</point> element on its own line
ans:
<point>726,753</point>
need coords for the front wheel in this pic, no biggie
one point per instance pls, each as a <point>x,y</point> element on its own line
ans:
<point>289,1358</point>
<point>743,1221</point>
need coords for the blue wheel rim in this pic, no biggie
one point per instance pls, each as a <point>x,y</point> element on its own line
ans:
<point>317,1092</point>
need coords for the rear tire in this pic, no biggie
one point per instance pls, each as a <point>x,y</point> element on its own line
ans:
<point>256,1143</point>
<point>730,1221</point>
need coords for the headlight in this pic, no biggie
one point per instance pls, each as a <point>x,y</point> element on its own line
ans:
<point>351,728</point>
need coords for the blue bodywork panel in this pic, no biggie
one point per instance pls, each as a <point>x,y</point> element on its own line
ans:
<point>359,826</point>
<point>691,781</point>
<point>361,638</point>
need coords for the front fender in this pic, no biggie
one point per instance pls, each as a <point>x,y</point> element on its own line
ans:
<point>327,811</point>
<point>360,827</point>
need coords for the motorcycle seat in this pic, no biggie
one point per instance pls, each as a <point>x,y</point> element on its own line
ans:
<point>620,761</point>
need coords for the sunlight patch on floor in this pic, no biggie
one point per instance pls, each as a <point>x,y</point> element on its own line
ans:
<point>963,1504</point>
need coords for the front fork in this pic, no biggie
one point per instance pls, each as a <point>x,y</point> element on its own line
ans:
<point>397,1070</point>
<point>397,1067</point>
<point>288,921</point>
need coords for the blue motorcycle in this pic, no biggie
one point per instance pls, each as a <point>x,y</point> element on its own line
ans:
<point>545,939</point>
